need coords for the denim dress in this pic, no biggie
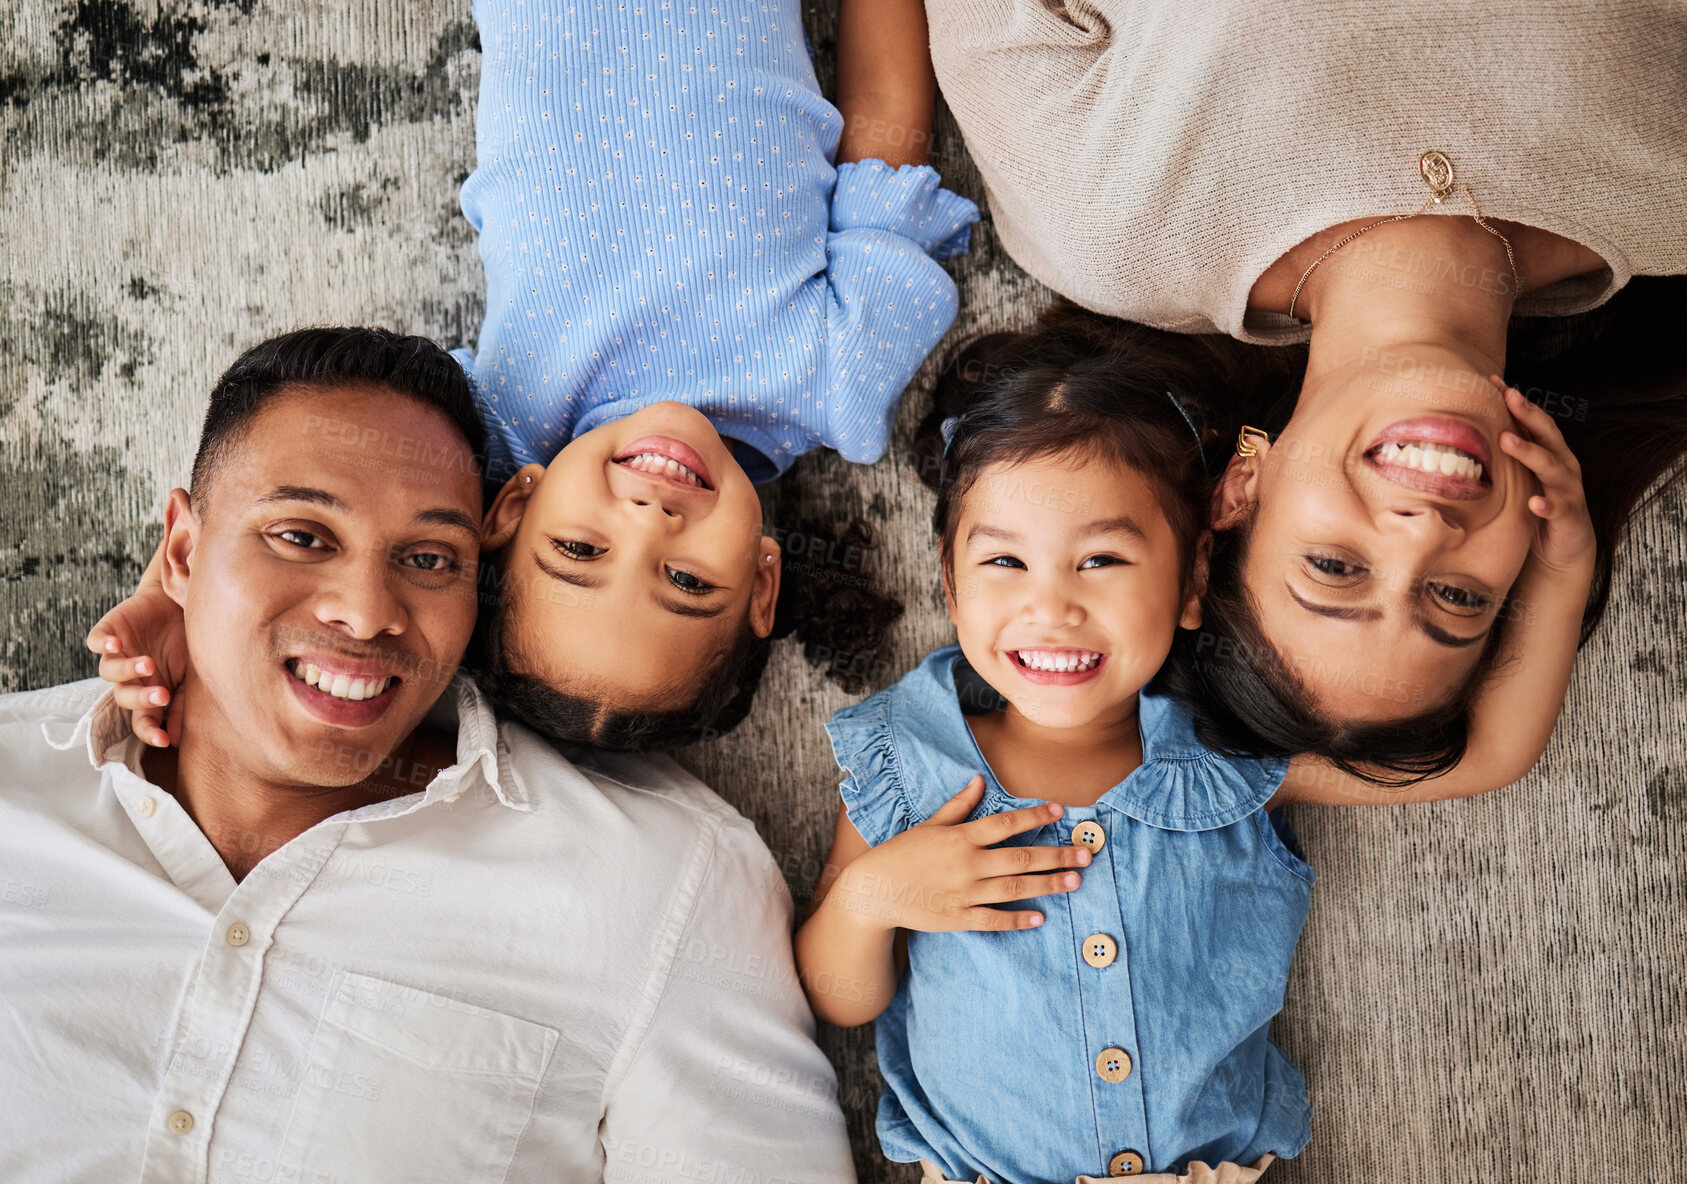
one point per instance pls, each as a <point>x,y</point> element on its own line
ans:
<point>1130,1031</point>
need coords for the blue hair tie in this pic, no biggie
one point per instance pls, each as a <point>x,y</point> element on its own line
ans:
<point>1186,419</point>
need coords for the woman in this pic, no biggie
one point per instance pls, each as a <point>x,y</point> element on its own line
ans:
<point>1392,186</point>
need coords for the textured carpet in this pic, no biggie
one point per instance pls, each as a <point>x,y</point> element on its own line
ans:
<point>1486,989</point>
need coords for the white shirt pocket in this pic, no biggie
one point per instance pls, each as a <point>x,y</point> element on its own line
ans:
<point>405,1085</point>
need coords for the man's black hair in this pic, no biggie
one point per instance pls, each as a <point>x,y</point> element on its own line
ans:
<point>413,367</point>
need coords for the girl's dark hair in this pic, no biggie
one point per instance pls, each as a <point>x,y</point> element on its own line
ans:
<point>413,367</point>
<point>1076,384</point>
<point>1612,379</point>
<point>828,600</point>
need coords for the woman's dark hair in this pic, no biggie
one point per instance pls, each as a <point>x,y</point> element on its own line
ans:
<point>413,367</point>
<point>1613,380</point>
<point>828,600</point>
<point>1076,384</point>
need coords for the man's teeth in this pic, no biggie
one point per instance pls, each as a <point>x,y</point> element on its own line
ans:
<point>658,465</point>
<point>1430,458</point>
<point>340,686</point>
<point>1058,661</point>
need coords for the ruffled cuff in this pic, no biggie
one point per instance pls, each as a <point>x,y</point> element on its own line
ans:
<point>909,201</point>
<point>871,790</point>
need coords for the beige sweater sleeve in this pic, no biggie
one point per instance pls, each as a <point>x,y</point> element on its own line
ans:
<point>1151,160</point>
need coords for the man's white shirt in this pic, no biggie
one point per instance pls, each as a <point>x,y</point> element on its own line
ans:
<point>527,970</point>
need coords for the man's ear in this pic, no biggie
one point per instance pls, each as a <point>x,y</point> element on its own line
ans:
<point>181,540</point>
<point>1190,617</point>
<point>499,525</point>
<point>764,586</point>
<point>1238,489</point>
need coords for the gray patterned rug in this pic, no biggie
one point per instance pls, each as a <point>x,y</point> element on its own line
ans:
<point>1488,988</point>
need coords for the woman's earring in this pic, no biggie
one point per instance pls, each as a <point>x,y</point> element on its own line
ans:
<point>1245,446</point>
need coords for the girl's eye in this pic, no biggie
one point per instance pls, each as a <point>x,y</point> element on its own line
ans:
<point>1459,599</point>
<point>575,549</point>
<point>1003,561</point>
<point>686,582</point>
<point>303,539</point>
<point>1336,569</point>
<point>1095,561</point>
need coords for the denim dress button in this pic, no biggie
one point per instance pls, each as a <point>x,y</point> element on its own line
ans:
<point>1126,1163</point>
<point>1088,834</point>
<point>1100,950</point>
<point>1113,1064</point>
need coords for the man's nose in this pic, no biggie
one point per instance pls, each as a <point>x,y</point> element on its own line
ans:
<point>360,601</point>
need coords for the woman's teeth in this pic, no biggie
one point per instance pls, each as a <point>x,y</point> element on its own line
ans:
<point>1430,458</point>
<point>1058,662</point>
<point>658,465</point>
<point>339,686</point>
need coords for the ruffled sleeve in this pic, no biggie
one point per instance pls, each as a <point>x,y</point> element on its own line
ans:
<point>909,201</point>
<point>872,788</point>
<point>1183,785</point>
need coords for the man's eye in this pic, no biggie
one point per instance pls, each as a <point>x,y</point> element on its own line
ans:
<point>429,561</point>
<point>300,538</point>
<point>1095,561</point>
<point>1461,599</point>
<point>1004,561</point>
<point>1339,569</point>
<point>686,582</point>
<point>575,549</point>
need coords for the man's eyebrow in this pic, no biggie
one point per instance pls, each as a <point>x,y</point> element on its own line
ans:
<point>444,516</point>
<point>1339,612</point>
<point>302,493</point>
<point>567,577</point>
<point>1123,524</point>
<point>1441,637</point>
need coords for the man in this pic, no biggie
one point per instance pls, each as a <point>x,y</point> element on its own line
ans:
<point>352,929</point>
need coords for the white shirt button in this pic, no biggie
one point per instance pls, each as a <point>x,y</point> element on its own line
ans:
<point>451,797</point>
<point>179,1123</point>
<point>238,934</point>
<point>146,807</point>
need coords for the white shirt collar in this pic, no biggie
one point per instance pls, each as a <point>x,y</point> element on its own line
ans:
<point>104,728</point>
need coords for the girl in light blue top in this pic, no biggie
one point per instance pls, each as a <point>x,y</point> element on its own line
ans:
<point>1075,960</point>
<point>698,268</point>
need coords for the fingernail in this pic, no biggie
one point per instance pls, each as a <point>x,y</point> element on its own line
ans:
<point>1071,880</point>
<point>1036,919</point>
<point>143,667</point>
<point>157,697</point>
<point>1083,858</point>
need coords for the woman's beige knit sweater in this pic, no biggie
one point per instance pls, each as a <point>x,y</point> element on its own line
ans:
<point>1151,158</point>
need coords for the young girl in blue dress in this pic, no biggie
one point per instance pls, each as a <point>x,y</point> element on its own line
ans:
<point>1074,960</point>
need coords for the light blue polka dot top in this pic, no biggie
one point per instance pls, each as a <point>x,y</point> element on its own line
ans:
<point>660,219</point>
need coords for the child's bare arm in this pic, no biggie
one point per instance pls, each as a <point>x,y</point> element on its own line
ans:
<point>937,876</point>
<point>886,87</point>
<point>1512,720</point>
<point>142,644</point>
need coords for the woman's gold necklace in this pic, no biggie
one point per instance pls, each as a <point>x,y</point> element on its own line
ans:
<point>1437,172</point>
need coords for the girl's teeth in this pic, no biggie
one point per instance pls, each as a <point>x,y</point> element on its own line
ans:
<point>1061,663</point>
<point>655,464</point>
